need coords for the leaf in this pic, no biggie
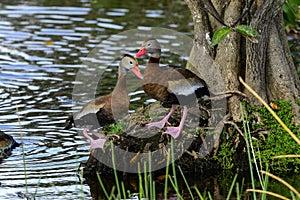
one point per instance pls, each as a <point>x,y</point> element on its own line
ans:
<point>246,30</point>
<point>219,35</point>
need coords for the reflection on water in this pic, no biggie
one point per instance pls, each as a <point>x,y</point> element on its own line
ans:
<point>43,45</point>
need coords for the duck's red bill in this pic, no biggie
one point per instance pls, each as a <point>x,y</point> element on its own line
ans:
<point>141,52</point>
<point>136,71</point>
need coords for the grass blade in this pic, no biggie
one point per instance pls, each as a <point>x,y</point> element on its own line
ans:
<point>175,188</point>
<point>146,180</point>
<point>123,190</point>
<point>152,195</point>
<point>173,162</point>
<point>231,187</point>
<point>167,175</point>
<point>141,190</point>
<point>248,150</point>
<point>186,183</point>
<point>266,182</point>
<point>23,151</point>
<point>198,193</point>
<point>209,196</point>
<point>102,186</point>
<point>252,151</point>
<point>112,193</point>
<point>115,170</point>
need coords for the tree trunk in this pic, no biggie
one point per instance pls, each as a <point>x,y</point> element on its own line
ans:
<point>265,64</point>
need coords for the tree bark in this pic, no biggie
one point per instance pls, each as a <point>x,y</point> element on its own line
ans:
<point>228,58</point>
<point>264,63</point>
<point>257,52</point>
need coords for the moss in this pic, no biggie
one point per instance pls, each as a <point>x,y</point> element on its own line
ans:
<point>277,141</point>
<point>225,156</point>
<point>117,128</point>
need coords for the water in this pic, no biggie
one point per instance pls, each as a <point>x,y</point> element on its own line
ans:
<point>43,44</point>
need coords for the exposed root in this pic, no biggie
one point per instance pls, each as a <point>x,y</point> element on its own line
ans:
<point>236,127</point>
<point>226,94</point>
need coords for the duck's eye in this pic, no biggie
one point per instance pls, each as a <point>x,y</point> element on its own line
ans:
<point>149,44</point>
<point>130,62</point>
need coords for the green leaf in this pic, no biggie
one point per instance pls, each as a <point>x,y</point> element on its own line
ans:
<point>219,35</point>
<point>246,30</point>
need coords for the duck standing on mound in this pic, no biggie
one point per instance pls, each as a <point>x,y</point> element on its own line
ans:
<point>171,86</point>
<point>107,109</point>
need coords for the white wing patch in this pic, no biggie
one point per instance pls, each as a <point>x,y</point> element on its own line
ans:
<point>88,109</point>
<point>184,86</point>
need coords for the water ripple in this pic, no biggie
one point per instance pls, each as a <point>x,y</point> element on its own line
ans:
<point>42,50</point>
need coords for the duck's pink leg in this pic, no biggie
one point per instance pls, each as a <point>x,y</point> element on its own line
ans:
<point>160,124</point>
<point>99,143</point>
<point>175,131</point>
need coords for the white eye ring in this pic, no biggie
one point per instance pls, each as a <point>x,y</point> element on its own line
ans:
<point>130,62</point>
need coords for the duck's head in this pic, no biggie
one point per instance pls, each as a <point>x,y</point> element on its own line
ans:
<point>150,46</point>
<point>129,63</point>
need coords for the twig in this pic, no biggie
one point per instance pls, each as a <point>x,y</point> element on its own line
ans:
<point>269,193</point>
<point>271,111</point>
<point>212,10</point>
<point>286,156</point>
<point>282,181</point>
<point>246,9</point>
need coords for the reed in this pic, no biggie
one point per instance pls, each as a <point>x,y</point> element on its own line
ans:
<point>247,138</point>
<point>23,151</point>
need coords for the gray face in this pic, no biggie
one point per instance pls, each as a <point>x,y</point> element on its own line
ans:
<point>127,63</point>
<point>152,47</point>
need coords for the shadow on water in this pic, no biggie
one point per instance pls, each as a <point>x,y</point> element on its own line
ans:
<point>43,44</point>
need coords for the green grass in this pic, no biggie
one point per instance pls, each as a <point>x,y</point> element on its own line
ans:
<point>277,141</point>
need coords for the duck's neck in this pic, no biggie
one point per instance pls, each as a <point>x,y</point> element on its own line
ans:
<point>154,60</point>
<point>152,69</point>
<point>121,85</point>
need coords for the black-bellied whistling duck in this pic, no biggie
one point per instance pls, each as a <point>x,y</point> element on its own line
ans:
<point>171,86</point>
<point>107,109</point>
